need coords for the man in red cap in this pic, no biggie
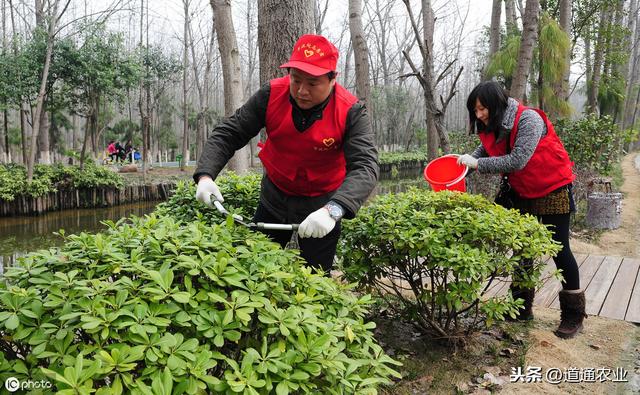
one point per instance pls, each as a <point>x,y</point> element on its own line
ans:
<point>319,157</point>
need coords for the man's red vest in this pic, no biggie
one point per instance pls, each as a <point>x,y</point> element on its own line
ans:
<point>549,167</point>
<point>309,163</point>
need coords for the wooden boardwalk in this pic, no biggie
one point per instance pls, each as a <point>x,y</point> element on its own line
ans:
<point>611,284</point>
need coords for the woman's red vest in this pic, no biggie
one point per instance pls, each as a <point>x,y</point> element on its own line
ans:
<point>548,169</point>
<point>309,163</point>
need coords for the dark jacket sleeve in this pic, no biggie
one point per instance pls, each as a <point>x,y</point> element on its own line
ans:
<point>232,134</point>
<point>362,161</point>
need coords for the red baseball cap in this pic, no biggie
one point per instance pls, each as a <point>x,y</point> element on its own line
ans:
<point>314,55</point>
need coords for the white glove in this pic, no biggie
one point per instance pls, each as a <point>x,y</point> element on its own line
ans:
<point>206,187</point>
<point>468,161</point>
<point>317,224</point>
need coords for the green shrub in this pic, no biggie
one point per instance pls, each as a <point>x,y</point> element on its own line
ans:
<point>439,252</point>
<point>594,143</point>
<point>50,178</point>
<point>241,195</point>
<point>153,306</point>
<point>392,158</point>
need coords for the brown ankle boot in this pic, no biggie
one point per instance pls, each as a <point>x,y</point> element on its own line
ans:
<point>572,306</point>
<point>525,313</point>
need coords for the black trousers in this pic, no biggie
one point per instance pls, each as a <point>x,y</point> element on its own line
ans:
<point>559,226</point>
<point>318,252</point>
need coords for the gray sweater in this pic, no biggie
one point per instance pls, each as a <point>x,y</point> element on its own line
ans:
<point>531,129</point>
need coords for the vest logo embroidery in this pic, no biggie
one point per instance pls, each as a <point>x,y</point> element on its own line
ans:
<point>328,142</point>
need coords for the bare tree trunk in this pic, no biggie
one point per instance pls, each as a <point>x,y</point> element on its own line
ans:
<point>428,22</point>
<point>23,104</point>
<point>251,50</point>
<point>494,31</point>
<point>511,17</point>
<point>593,86</point>
<point>42,91</point>
<point>359,42</point>
<point>252,46</point>
<point>633,74</point>
<point>185,67</point>
<point>230,57</point>
<point>44,146</point>
<point>202,106</point>
<point>280,24</point>
<point>588,69</point>
<point>561,88</point>
<point>142,100</point>
<point>5,112</point>
<point>319,14</point>
<point>347,64</point>
<point>525,54</point>
<point>434,116</point>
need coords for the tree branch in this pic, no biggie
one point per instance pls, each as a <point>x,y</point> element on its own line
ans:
<point>452,91</point>
<point>445,72</point>
<point>416,31</point>
<point>418,75</point>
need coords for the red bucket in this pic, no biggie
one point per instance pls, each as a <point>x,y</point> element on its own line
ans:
<point>444,173</point>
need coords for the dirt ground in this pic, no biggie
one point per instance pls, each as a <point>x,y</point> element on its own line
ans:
<point>624,241</point>
<point>605,343</point>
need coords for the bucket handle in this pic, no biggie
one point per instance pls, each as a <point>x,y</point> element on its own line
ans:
<point>463,175</point>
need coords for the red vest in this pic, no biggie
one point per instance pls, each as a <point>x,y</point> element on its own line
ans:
<point>309,163</point>
<point>549,167</point>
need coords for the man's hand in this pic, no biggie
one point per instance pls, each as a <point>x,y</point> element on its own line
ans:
<point>468,161</point>
<point>206,187</point>
<point>317,224</point>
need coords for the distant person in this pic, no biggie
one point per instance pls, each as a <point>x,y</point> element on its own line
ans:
<point>112,150</point>
<point>521,143</point>
<point>120,151</point>
<point>319,156</point>
<point>128,147</point>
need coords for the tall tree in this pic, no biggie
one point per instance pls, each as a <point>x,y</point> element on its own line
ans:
<point>434,115</point>
<point>185,88</point>
<point>280,24</point>
<point>633,74</point>
<point>145,92</point>
<point>24,107</point>
<point>360,49</point>
<point>593,85</point>
<point>561,87</point>
<point>6,155</point>
<point>319,14</point>
<point>511,18</point>
<point>232,73</point>
<point>43,133</point>
<point>525,54</point>
<point>53,19</point>
<point>494,31</point>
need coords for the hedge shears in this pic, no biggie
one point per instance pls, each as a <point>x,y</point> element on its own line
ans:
<point>251,225</point>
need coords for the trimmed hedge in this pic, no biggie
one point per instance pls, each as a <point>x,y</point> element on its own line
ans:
<point>155,306</point>
<point>48,178</point>
<point>439,252</point>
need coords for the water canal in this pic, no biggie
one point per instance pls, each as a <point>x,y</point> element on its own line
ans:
<point>21,235</point>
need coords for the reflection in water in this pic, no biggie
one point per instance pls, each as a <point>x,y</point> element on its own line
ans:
<point>19,235</point>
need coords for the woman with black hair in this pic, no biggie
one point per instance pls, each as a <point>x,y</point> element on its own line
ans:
<point>521,143</point>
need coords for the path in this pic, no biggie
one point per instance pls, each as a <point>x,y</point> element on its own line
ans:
<point>624,241</point>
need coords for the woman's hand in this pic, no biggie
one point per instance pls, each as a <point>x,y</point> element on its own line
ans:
<point>468,161</point>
